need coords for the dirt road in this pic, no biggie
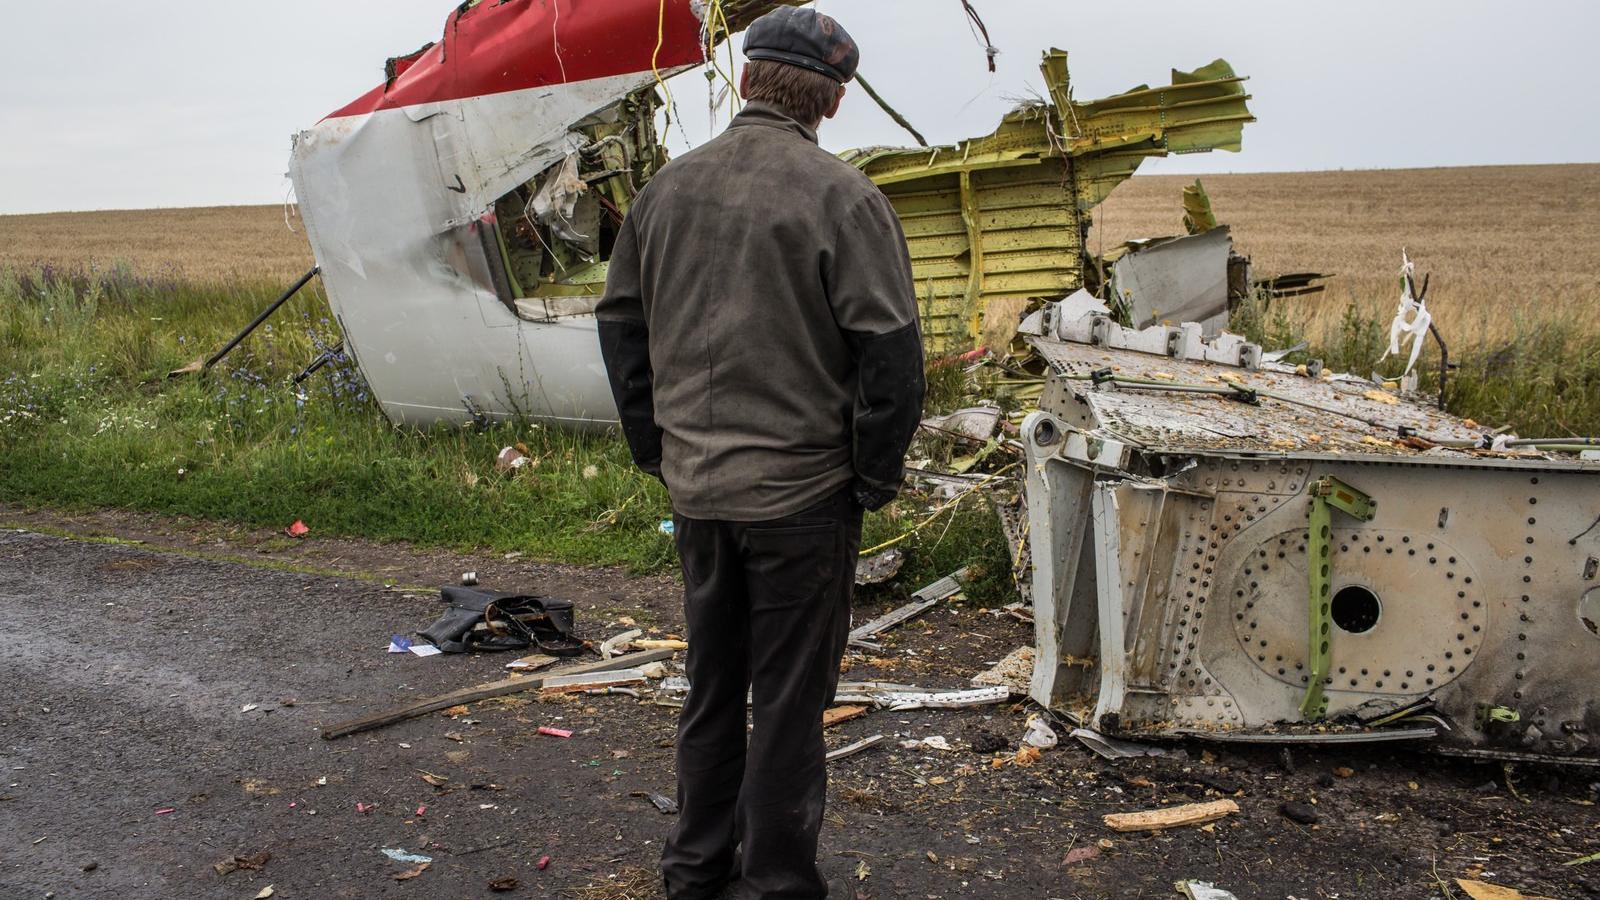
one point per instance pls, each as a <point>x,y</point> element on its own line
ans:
<point>160,715</point>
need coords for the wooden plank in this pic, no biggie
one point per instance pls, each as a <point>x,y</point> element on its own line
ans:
<point>841,714</point>
<point>486,691</point>
<point>1172,816</point>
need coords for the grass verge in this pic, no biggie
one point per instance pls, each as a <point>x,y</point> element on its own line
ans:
<point>88,419</point>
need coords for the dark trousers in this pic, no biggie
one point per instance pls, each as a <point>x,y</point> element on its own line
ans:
<point>768,607</point>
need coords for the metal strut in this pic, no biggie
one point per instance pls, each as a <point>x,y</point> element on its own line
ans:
<point>1327,494</point>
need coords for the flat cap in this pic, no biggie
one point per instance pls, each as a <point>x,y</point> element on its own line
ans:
<point>804,38</point>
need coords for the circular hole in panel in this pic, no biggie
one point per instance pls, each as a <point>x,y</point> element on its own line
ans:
<point>1356,609</point>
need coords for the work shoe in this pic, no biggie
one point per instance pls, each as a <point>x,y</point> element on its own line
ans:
<point>841,889</point>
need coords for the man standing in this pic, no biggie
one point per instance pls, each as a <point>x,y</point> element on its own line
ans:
<point>760,331</point>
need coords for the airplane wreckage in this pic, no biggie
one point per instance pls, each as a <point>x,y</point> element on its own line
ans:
<point>1222,545</point>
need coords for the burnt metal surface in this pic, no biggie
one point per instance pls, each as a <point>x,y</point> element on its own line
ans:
<point>1171,533</point>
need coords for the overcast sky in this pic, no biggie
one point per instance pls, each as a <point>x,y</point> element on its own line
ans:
<point>108,104</point>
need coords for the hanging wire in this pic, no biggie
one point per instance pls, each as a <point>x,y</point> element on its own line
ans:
<point>655,57</point>
<point>988,45</point>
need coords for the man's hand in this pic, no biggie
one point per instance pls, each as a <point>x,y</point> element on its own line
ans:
<point>872,498</point>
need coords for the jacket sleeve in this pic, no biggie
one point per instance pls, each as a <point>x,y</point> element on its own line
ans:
<point>874,303</point>
<point>625,347</point>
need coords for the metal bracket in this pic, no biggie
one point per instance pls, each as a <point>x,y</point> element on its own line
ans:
<point>1327,494</point>
<point>1487,716</point>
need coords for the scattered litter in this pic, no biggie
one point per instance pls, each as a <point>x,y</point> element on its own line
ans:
<point>863,871</point>
<point>1203,890</point>
<point>163,811</point>
<point>297,530</point>
<point>665,804</point>
<point>1014,672</point>
<point>469,579</point>
<point>1081,854</point>
<point>502,885</point>
<point>265,893</point>
<point>1114,748</point>
<point>610,646</point>
<point>921,602</point>
<point>852,749</point>
<point>425,650</point>
<point>510,460</point>
<point>937,742</point>
<point>554,732</point>
<point>667,527</point>
<point>880,567</point>
<point>1172,816</point>
<point>255,862</point>
<point>1483,890</point>
<point>399,644</point>
<point>1039,733</point>
<point>1026,756</point>
<point>364,808</point>
<point>655,671</point>
<point>544,863</point>
<point>422,811</point>
<point>250,707</point>
<point>460,709</point>
<point>409,874</point>
<point>403,856</point>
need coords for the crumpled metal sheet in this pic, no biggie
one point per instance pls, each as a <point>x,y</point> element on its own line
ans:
<point>1002,216</point>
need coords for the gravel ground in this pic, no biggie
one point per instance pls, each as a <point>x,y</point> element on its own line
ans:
<point>163,701</point>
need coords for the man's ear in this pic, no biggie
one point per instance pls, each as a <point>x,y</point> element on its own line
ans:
<point>834,109</point>
<point>744,82</point>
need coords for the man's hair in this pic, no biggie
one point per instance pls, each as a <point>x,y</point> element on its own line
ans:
<point>804,95</point>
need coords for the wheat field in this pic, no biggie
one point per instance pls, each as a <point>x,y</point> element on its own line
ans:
<point>1510,248</point>
<point>213,244</point>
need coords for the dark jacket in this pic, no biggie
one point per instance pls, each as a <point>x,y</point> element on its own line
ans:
<point>759,326</point>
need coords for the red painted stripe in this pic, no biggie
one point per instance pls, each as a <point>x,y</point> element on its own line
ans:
<point>510,45</point>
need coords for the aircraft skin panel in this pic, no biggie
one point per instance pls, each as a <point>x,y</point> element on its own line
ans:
<point>397,192</point>
<point>405,270</point>
<point>495,48</point>
<point>1465,601</point>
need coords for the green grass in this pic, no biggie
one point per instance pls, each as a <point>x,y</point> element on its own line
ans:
<point>89,419</point>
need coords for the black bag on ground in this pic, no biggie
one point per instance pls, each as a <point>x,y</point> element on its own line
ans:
<point>480,620</point>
